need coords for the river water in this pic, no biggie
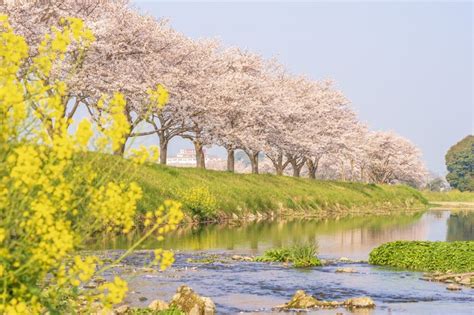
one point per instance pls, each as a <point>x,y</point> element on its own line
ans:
<point>251,287</point>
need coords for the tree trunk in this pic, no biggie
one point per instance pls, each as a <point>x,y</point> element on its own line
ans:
<point>163,151</point>
<point>279,165</point>
<point>296,171</point>
<point>230,160</point>
<point>279,171</point>
<point>296,167</point>
<point>312,168</point>
<point>343,175</point>
<point>121,149</point>
<point>253,161</point>
<point>200,159</point>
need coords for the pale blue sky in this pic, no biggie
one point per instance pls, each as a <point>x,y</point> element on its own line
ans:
<point>406,66</point>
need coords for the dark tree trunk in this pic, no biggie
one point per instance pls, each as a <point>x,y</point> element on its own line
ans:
<point>312,168</point>
<point>279,171</point>
<point>279,165</point>
<point>200,159</point>
<point>230,160</point>
<point>253,161</point>
<point>163,151</point>
<point>297,166</point>
<point>296,171</point>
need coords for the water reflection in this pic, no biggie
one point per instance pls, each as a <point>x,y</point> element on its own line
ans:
<point>350,237</point>
<point>461,226</point>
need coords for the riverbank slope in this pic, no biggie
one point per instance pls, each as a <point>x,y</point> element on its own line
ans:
<point>249,195</point>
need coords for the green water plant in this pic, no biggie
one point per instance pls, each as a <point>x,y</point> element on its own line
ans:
<point>300,255</point>
<point>425,256</point>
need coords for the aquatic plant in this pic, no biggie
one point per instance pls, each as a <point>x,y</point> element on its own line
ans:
<point>301,255</point>
<point>425,256</point>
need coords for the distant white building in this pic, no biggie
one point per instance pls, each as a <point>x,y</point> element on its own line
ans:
<point>187,157</point>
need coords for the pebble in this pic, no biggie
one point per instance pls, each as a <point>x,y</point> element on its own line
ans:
<point>453,287</point>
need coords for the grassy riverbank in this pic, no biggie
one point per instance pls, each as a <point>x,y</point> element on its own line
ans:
<point>425,256</point>
<point>450,196</point>
<point>242,195</point>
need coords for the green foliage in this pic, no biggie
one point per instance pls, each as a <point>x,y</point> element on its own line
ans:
<point>199,202</point>
<point>275,255</point>
<point>300,255</point>
<point>460,164</point>
<point>452,195</point>
<point>425,256</point>
<point>248,193</point>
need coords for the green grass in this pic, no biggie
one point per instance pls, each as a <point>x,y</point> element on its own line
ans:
<point>242,194</point>
<point>299,255</point>
<point>425,256</point>
<point>452,195</point>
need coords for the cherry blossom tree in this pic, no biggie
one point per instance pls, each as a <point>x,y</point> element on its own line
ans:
<point>216,95</point>
<point>393,159</point>
<point>123,57</point>
<point>238,100</point>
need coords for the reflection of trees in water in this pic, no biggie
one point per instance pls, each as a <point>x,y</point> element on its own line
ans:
<point>461,226</point>
<point>257,235</point>
<point>437,214</point>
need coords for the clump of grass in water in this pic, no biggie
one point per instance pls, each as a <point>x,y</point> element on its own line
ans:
<point>300,255</point>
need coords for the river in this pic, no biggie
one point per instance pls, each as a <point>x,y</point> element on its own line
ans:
<point>252,287</point>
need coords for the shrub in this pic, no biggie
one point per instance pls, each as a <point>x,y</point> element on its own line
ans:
<point>52,201</point>
<point>199,202</point>
<point>425,256</point>
<point>300,255</point>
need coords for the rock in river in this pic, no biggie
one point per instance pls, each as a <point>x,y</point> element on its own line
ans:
<point>191,303</point>
<point>359,302</point>
<point>301,300</point>
<point>121,310</point>
<point>158,305</point>
<point>345,270</point>
<point>453,287</point>
<point>242,258</point>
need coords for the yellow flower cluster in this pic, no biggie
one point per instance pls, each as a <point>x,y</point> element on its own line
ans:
<point>55,47</point>
<point>51,196</point>
<point>144,154</point>
<point>113,292</point>
<point>113,123</point>
<point>115,205</point>
<point>163,257</point>
<point>164,220</point>
<point>200,202</point>
<point>158,97</point>
<point>82,270</point>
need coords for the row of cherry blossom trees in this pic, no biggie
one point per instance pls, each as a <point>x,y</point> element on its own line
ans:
<point>218,96</point>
